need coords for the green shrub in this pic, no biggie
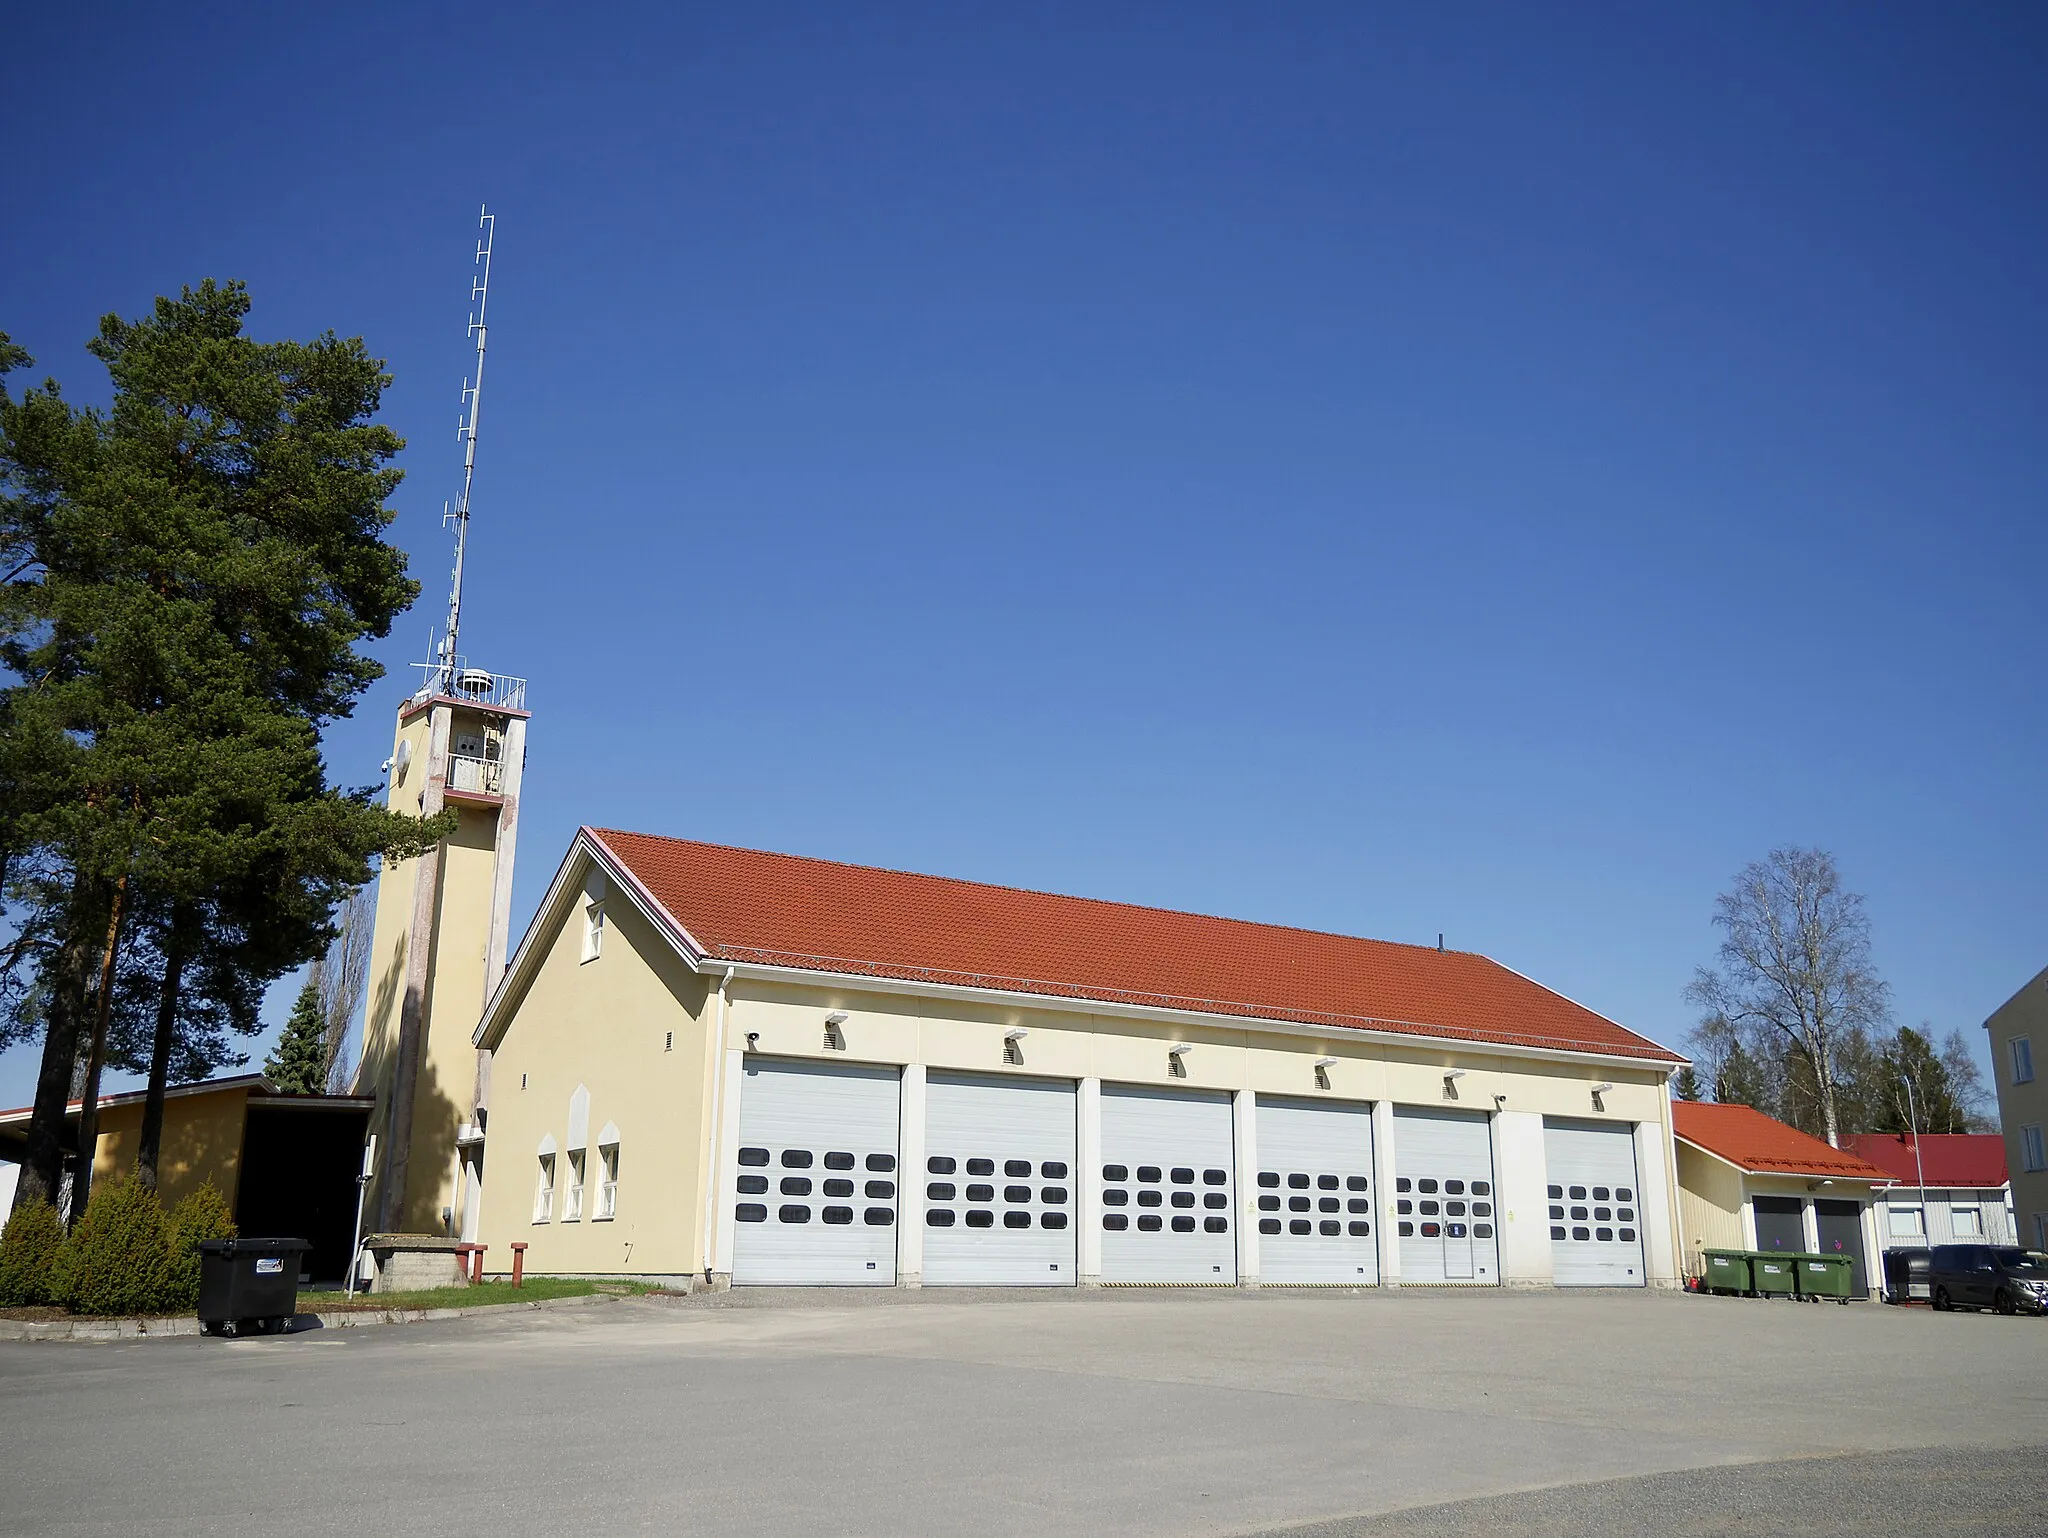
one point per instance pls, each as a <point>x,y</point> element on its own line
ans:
<point>28,1255</point>
<point>202,1215</point>
<point>118,1259</point>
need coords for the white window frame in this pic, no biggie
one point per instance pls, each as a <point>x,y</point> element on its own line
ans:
<point>607,1183</point>
<point>593,931</point>
<point>1975,1217</point>
<point>2033,1157</point>
<point>544,1190</point>
<point>1913,1211</point>
<point>572,1193</point>
<point>2022,1060</point>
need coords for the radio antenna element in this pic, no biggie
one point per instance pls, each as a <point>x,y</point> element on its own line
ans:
<point>449,660</point>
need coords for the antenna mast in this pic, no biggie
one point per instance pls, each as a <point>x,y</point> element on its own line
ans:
<point>465,430</point>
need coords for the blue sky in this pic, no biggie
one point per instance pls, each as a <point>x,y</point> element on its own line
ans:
<point>1491,473</point>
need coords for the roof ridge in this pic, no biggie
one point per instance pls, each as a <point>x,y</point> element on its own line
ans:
<point>1075,897</point>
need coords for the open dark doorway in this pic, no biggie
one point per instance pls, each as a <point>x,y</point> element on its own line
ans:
<point>299,1168</point>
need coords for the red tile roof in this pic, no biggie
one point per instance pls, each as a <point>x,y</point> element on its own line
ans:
<point>785,910</point>
<point>1763,1145</point>
<point>1972,1159</point>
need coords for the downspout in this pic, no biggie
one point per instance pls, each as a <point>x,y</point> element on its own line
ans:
<point>714,1133</point>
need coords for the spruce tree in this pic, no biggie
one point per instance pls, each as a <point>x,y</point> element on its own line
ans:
<point>298,1063</point>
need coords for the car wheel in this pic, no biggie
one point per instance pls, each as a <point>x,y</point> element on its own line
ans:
<point>2003,1302</point>
<point>1941,1302</point>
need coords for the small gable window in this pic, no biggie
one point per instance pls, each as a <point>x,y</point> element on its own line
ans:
<point>593,915</point>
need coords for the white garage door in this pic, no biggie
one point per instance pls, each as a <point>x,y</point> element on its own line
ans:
<point>1315,1193</point>
<point>816,1175</point>
<point>1443,1197</point>
<point>1595,1240</point>
<point>999,1188</point>
<point>1166,1186</point>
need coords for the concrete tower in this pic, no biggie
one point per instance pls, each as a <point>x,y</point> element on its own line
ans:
<point>439,948</point>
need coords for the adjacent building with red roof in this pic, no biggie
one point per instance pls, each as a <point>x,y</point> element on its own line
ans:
<point>740,1066</point>
<point>1949,1188</point>
<point>1747,1181</point>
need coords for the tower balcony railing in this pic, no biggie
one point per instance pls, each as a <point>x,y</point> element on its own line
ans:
<point>458,680</point>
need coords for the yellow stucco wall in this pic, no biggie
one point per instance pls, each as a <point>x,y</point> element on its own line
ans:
<point>391,932</point>
<point>606,1025</point>
<point>953,1034</point>
<point>444,1095</point>
<point>2023,1105</point>
<point>1709,1206</point>
<point>202,1141</point>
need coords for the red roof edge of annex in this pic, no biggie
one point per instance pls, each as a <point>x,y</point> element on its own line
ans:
<point>1763,1145</point>
<point>794,911</point>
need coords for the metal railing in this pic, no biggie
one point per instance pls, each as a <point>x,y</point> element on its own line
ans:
<point>458,680</point>
<point>483,776</point>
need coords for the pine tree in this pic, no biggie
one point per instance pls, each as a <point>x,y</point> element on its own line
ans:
<point>184,579</point>
<point>298,1063</point>
<point>1686,1086</point>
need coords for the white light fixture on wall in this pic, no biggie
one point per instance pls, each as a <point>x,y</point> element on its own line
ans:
<point>1013,1046</point>
<point>1176,1060</point>
<point>1323,1067</point>
<point>1451,1078</point>
<point>1598,1091</point>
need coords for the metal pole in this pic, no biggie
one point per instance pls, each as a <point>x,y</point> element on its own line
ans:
<point>355,1247</point>
<point>1920,1169</point>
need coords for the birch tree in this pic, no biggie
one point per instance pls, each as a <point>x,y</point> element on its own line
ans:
<point>1795,975</point>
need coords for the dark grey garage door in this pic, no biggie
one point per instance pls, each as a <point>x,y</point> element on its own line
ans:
<point>1779,1224</point>
<point>1841,1233</point>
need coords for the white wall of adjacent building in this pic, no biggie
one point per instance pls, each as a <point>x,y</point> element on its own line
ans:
<point>1909,1218</point>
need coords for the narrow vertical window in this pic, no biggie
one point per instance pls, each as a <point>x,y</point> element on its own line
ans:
<point>572,1194</point>
<point>593,931</point>
<point>608,1181</point>
<point>2031,1152</point>
<point>2022,1060</point>
<point>544,1192</point>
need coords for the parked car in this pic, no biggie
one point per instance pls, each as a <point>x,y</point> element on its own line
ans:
<point>1989,1276</point>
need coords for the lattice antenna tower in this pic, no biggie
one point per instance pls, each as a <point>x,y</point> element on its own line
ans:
<point>465,431</point>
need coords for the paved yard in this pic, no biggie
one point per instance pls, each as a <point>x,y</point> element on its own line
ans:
<point>1114,1412</point>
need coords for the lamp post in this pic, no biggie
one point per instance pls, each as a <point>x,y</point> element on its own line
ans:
<point>1919,1168</point>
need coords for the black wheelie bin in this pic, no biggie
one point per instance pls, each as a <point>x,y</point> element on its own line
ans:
<point>247,1285</point>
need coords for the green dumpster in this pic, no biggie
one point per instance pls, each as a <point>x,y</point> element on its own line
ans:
<point>1727,1271</point>
<point>1774,1274</point>
<point>1824,1276</point>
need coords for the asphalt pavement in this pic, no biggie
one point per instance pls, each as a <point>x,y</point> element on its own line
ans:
<point>1150,1413</point>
